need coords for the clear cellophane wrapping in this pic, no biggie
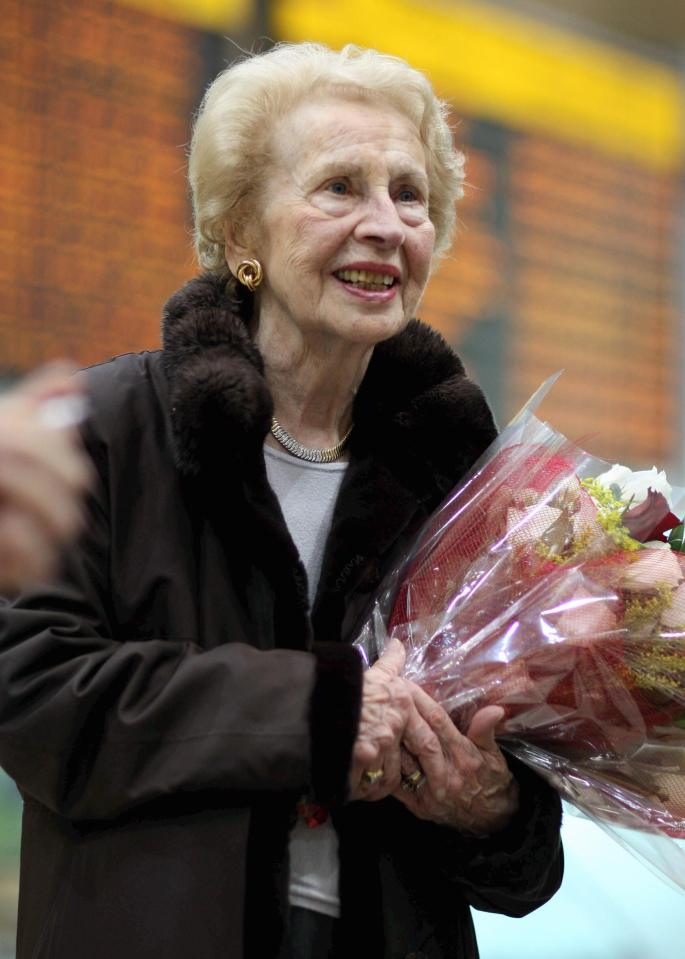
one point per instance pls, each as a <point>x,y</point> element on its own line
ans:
<point>516,595</point>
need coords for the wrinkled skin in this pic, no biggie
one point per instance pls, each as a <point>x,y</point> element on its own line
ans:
<point>467,781</point>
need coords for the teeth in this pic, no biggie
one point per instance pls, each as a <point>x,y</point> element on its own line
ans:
<point>365,276</point>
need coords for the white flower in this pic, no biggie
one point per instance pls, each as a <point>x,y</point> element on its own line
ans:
<point>635,484</point>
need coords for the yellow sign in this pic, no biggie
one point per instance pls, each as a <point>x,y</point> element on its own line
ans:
<point>495,63</point>
<point>213,15</point>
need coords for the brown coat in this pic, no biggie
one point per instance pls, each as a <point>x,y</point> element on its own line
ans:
<point>168,702</point>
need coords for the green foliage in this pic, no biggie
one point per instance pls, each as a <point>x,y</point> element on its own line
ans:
<point>676,539</point>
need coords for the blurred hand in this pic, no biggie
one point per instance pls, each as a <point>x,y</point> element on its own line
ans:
<point>43,476</point>
<point>389,717</point>
<point>470,786</point>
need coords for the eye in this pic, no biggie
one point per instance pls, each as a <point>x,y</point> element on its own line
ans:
<point>339,187</point>
<point>408,195</point>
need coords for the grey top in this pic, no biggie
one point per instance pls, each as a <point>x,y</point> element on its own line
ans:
<point>307,493</point>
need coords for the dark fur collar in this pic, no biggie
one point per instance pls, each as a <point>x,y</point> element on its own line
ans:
<point>416,410</point>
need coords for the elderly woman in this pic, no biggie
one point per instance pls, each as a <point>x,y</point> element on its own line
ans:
<point>186,703</point>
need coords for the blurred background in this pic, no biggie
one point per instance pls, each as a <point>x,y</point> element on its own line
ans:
<point>569,255</point>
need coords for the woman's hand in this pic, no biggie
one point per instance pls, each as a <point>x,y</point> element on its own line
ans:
<point>43,476</point>
<point>390,717</point>
<point>474,791</point>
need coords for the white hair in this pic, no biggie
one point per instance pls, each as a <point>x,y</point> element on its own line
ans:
<point>229,150</point>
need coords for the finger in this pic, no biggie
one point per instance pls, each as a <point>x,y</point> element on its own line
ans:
<point>408,763</point>
<point>481,731</point>
<point>392,770</point>
<point>38,490</point>
<point>422,742</point>
<point>437,718</point>
<point>28,444</point>
<point>375,788</point>
<point>360,763</point>
<point>33,446</point>
<point>26,554</point>
<point>412,773</point>
<point>392,660</point>
<point>384,786</point>
<point>366,754</point>
<point>52,379</point>
<point>49,400</point>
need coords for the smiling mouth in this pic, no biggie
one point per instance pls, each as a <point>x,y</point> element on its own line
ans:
<point>366,279</point>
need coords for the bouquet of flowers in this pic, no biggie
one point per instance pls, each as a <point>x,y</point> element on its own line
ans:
<point>553,585</point>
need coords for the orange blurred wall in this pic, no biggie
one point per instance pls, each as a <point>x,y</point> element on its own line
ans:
<point>94,224</point>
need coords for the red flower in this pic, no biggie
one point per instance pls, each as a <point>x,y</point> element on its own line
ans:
<point>650,519</point>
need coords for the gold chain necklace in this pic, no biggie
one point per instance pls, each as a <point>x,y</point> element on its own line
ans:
<point>307,453</point>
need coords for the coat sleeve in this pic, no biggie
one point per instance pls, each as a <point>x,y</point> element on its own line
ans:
<point>512,872</point>
<point>92,725</point>
<point>515,870</point>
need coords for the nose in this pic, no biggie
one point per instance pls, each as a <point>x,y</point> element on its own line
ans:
<point>381,224</point>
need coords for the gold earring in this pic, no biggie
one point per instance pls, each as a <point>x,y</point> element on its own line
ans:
<point>250,274</point>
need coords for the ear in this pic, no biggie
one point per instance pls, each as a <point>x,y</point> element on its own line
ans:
<point>235,249</point>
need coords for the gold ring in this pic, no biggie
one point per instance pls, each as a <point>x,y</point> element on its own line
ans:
<point>414,781</point>
<point>372,776</point>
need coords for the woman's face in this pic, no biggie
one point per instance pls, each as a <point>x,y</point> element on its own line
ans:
<point>346,241</point>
